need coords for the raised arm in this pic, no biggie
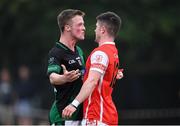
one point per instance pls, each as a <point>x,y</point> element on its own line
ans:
<point>67,76</point>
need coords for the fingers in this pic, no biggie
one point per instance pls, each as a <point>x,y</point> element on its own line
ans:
<point>64,68</point>
<point>68,111</point>
<point>77,71</point>
<point>66,114</point>
<point>121,70</point>
<point>69,72</point>
<point>120,74</point>
<point>75,77</point>
<point>72,75</point>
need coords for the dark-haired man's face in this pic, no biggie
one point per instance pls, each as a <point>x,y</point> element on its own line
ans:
<point>97,32</point>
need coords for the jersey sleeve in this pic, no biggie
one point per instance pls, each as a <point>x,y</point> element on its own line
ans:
<point>53,64</point>
<point>99,61</point>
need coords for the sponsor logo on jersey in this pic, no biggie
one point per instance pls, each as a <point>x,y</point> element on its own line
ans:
<point>71,61</point>
<point>78,58</point>
<point>79,61</point>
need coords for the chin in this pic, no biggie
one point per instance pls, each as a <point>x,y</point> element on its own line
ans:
<point>81,38</point>
<point>96,40</point>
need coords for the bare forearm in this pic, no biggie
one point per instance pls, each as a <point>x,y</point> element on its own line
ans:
<point>57,79</point>
<point>86,90</point>
<point>68,76</point>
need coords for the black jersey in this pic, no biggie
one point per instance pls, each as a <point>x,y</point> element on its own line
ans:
<point>61,54</point>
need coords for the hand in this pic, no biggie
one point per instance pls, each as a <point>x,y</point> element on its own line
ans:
<point>70,76</point>
<point>68,111</point>
<point>120,74</point>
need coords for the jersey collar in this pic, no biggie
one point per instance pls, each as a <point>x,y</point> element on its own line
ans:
<point>111,43</point>
<point>61,45</point>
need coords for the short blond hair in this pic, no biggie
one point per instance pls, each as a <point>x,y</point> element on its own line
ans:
<point>66,15</point>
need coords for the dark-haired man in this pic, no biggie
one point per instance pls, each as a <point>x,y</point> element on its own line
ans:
<point>100,76</point>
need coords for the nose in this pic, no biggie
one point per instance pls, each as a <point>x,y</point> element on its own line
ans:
<point>84,28</point>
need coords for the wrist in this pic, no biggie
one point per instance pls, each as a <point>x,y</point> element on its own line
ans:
<point>75,103</point>
<point>63,78</point>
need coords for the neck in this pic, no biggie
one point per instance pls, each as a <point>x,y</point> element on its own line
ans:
<point>68,41</point>
<point>105,39</point>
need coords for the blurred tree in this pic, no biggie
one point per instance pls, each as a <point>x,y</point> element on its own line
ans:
<point>149,42</point>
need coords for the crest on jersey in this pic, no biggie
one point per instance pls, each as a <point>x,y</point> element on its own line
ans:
<point>99,58</point>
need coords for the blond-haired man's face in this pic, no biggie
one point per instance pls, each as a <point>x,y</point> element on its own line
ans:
<point>77,27</point>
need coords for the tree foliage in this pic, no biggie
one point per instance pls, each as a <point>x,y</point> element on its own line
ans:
<point>148,42</point>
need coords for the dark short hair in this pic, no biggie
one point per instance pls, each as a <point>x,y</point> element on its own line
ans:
<point>66,15</point>
<point>112,22</point>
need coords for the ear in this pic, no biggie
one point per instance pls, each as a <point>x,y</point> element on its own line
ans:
<point>103,29</point>
<point>67,27</point>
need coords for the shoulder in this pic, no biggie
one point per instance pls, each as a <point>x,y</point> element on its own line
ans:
<point>79,49</point>
<point>99,55</point>
<point>99,50</point>
<point>107,49</point>
<point>55,51</point>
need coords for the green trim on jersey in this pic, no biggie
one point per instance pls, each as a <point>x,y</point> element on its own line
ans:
<point>59,45</point>
<point>56,118</point>
<point>54,68</point>
<point>54,115</point>
<point>81,55</point>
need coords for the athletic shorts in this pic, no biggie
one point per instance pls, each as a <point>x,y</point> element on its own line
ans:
<point>55,117</point>
<point>86,122</point>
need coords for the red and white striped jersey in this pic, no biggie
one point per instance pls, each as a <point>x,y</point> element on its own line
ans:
<point>99,105</point>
